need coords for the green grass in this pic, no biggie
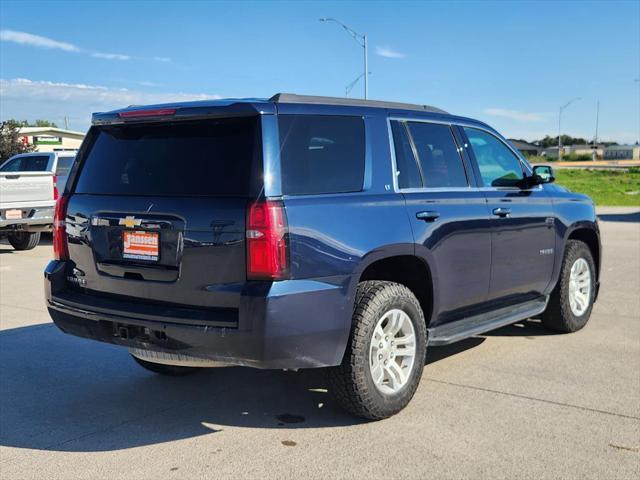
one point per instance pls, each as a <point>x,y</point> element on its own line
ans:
<point>606,187</point>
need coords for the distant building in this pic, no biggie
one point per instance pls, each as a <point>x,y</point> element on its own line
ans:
<point>622,152</point>
<point>583,150</point>
<point>528,149</point>
<point>50,139</point>
<point>552,152</point>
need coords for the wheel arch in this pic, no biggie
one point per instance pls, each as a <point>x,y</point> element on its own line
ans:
<point>590,235</point>
<point>406,268</point>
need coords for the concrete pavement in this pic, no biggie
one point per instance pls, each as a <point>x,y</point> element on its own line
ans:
<point>516,403</point>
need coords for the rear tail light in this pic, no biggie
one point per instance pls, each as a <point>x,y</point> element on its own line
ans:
<point>56,194</point>
<point>60,245</point>
<point>267,241</point>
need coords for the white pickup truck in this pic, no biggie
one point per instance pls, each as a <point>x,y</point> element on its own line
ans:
<point>29,186</point>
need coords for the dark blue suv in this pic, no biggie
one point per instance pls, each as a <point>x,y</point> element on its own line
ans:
<point>304,232</point>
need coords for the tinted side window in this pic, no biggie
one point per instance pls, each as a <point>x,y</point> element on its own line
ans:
<point>321,154</point>
<point>35,163</point>
<point>438,155</point>
<point>12,165</point>
<point>407,168</point>
<point>499,167</point>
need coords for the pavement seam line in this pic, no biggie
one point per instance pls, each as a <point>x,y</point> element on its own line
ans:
<point>526,397</point>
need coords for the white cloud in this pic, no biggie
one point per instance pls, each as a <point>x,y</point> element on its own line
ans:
<point>515,115</point>
<point>387,52</point>
<point>146,83</point>
<point>29,99</point>
<point>111,56</point>
<point>24,38</point>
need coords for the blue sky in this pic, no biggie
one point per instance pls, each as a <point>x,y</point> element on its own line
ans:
<point>511,64</point>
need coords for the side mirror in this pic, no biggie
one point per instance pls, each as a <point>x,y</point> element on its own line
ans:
<point>542,174</point>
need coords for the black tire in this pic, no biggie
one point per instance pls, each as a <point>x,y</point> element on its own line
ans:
<point>351,382</point>
<point>170,370</point>
<point>24,240</point>
<point>558,316</point>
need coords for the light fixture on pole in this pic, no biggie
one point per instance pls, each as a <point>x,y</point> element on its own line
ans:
<point>349,87</point>
<point>560,125</point>
<point>362,41</point>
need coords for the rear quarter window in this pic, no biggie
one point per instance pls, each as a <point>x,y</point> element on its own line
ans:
<point>321,154</point>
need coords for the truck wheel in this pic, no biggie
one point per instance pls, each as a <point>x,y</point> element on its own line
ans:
<point>170,370</point>
<point>385,354</point>
<point>24,240</point>
<point>571,301</point>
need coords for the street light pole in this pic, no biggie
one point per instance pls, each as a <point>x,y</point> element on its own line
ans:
<point>560,134</point>
<point>366,69</point>
<point>637,80</point>
<point>362,41</point>
<point>560,125</point>
<point>595,139</point>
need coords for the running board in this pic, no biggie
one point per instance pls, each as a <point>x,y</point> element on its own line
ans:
<point>470,326</point>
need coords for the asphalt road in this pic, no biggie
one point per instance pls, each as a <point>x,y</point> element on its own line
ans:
<point>517,403</point>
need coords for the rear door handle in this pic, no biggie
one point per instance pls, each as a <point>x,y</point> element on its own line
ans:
<point>428,216</point>
<point>502,212</point>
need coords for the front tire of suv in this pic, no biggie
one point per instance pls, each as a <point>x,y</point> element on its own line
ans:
<point>571,301</point>
<point>169,370</point>
<point>24,240</point>
<point>385,354</point>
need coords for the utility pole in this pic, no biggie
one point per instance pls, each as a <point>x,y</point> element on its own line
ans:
<point>66,123</point>
<point>362,41</point>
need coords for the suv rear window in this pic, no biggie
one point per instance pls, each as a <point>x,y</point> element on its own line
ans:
<point>321,154</point>
<point>187,158</point>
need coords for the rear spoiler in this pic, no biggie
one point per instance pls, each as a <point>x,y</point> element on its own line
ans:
<point>189,111</point>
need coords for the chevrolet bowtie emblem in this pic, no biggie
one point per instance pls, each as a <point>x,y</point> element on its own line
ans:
<point>130,222</point>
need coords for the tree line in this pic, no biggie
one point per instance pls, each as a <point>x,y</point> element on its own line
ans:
<point>10,140</point>
<point>549,141</point>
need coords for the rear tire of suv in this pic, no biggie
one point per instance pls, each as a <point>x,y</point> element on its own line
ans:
<point>169,370</point>
<point>388,325</point>
<point>571,301</point>
<point>24,240</point>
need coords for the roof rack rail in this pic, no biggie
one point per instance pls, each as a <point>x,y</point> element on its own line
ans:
<point>352,102</point>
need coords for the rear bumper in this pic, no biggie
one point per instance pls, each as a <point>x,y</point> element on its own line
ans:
<point>34,219</point>
<point>290,324</point>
